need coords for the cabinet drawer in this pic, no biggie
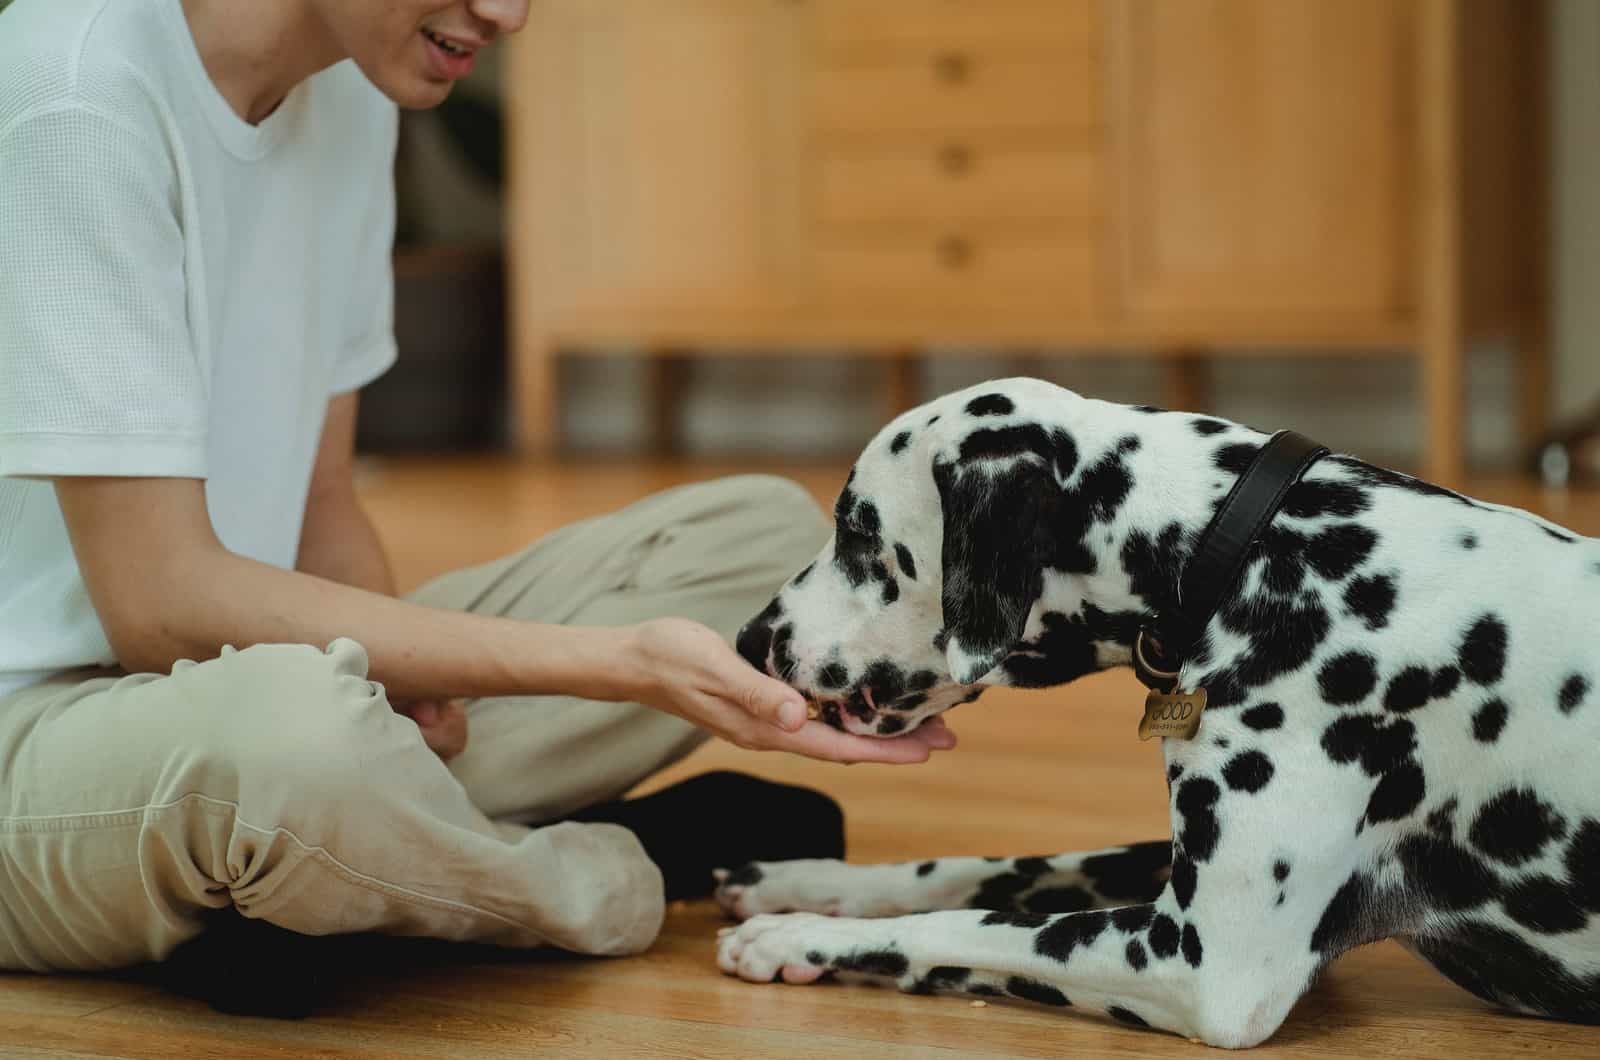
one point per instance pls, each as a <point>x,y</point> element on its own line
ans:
<point>959,90</point>
<point>961,271</point>
<point>956,180</point>
<point>846,27</point>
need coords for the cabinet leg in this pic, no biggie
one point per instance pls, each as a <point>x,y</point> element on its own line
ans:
<point>535,406</point>
<point>669,374</point>
<point>904,382</point>
<point>1441,333</point>
<point>1185,381</point>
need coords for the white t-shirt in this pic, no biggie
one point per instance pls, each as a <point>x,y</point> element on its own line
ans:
<point>180,292</point>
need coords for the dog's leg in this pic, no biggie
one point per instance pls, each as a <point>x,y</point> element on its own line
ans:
<point>1065,883</point>
<point>1145,965</point>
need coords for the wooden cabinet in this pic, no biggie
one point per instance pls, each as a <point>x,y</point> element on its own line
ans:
<point>1188,177</point>
<point>1263,148</point>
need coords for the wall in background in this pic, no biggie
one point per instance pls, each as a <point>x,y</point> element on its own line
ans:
<point>807,405</point>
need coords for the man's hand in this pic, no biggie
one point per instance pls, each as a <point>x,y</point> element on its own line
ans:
<point>443,724</point>
<point>686,669</point>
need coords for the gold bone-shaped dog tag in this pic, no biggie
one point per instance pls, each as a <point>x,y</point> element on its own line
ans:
<point>1172,714</point>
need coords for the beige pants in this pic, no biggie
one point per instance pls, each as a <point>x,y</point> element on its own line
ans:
<point>278,779</point>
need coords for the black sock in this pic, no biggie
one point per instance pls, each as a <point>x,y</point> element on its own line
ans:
<point>725,819</point>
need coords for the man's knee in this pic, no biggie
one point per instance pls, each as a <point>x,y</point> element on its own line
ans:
<point>782,515</point>
<point>284,714</point>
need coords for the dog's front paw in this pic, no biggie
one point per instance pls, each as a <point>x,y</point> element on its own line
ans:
<point>802,947</point>
<point>809,885</point>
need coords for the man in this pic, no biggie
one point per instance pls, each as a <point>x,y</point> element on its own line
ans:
<point>209,695</point>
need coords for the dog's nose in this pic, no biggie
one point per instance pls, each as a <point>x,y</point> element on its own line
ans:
<point>755,643</point>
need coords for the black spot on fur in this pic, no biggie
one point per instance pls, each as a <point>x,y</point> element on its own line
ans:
<point>1062,652</point>
<point>1264,717</point>
<point>1153,564</point>
<point>1490,719</point>
<point>1565,539</point>
<point>1280,871</point>
<point>1447,875</point>
<point>1248,772</point>
<point>1307,500</point>
<point>900,441</point>
<point>1068,899</point>
<point>1397,794</point>
<point>1545,905</point>
<point>1468,541</point>
<point>926,867</point>
<point>1573,689</point>
<point>870,962</point>
<point>805,572</point>
<point>1483,651</point>
<point>743,876</point>
<point>1033,990</point>
<point>1384,751</point>
<point>1371,599</point>
<point>1163,936</point>
<point>1347,679</point>
<point>1442,821</point>
<point>996,443</point>
<point>941,978</point>
<point>1341,925</point>
<point>908,567</point>
<point>1204,426</point>
<point>1583,864</point>
<point>1379,746</point>
<point>1184,879</point>
<point>1371,475</point>
<point>1283,634</point>
<point>1032,921</point>
<point>1133,917</point>
<point>1408,690</point>
<point>1514,826</point>
<point>1060,938</point>
<point>1503,967</point>
<point>1445,681</point>
<point>1195,801</point>
<point>890,725</point>
<point>833,675</point>
<point>891,590</point>
<point>1340,549</point>
<point>1236,457</point>
<point>1191,946</point>
<point>1122,1015</point>
<point>1137,957</point>
<point>1129,873</point>
<point>990,405</point>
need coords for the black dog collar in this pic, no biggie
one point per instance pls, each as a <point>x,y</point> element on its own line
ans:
<point>1165,640</point>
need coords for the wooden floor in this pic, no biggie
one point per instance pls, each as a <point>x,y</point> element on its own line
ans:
<point>1036,773</point>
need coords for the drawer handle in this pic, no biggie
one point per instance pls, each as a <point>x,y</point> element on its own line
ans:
<point>955,159</point>
<point>952,68</point>
<point>955,252</point>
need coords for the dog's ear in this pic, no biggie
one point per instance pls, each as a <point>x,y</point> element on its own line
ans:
<point>997,530</point>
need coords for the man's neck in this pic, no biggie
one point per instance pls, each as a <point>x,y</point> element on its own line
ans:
<point>255,52</point>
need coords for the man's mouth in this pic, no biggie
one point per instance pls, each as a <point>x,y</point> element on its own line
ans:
<point>446,44</point>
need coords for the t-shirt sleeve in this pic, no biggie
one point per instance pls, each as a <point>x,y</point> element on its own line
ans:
<point>98,374</point>
<point>371,348</point>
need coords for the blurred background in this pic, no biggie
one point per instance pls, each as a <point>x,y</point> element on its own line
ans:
<point>753,230</point>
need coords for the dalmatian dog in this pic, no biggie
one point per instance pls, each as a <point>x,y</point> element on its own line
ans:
<point>1400,740</point>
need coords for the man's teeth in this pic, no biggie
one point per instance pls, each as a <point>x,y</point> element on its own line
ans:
<point>446,45</point>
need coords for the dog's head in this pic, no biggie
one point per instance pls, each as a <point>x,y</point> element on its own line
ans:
<point>944,533</point>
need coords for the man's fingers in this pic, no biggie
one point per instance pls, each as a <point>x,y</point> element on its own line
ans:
<point>772,701</point>
<point>817,740</point>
